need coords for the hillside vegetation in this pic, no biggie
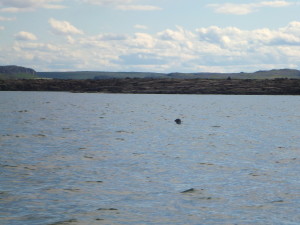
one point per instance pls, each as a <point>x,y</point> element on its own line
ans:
<point>17,76</point>
<point>17,72</point>
<point>159,86</point>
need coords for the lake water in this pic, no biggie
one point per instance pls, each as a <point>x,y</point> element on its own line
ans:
<point>83,158</point>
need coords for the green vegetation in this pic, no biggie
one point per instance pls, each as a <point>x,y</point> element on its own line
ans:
<point>16,72</point>
<point>17,76</point>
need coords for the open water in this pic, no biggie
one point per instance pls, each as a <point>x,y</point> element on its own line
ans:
<point>74,159</point>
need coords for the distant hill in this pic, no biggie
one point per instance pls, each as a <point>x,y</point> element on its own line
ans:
<point>271,74</point>
<point>98,75</point>
<point>16,72</point>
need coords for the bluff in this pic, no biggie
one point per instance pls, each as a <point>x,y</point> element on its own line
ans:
<point>12,69</point>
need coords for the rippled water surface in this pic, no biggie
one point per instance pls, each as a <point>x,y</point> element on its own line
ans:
<point>121,159</point>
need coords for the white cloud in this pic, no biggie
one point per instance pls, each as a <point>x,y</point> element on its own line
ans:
<point>112,37</point>
<point>27,3</point>
<point>230,8</point>
<point>25,36</point>
<point>41,47</point>
<point>15,6</point>
<point>244,8</point>
<point>2,28</point>
<point>138,7</point>
<point>124,5</point>
<point>63,27</point>
<point>7,18</point>
<point>108,2</point>
<point>70,39</point>
<point>276,3</point>
<point>234,37</point>
<point>139,26</point>
<point>213,49</point>
<point>292,28</point>
<point>15,10</point>
<point>180,34</point>
<point>142,40</point>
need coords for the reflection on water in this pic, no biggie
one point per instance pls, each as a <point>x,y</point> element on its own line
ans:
<point>121,159</point>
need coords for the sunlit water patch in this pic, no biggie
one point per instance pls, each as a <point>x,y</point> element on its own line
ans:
<point>121,159</point>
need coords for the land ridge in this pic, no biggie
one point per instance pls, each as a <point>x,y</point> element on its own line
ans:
<point>18,72</point>
<point>279,86</point>
<point>262,74</point>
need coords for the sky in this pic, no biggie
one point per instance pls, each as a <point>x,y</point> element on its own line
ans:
<point>150,36</point>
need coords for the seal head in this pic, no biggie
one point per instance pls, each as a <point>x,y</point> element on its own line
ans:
<point>178,121</point>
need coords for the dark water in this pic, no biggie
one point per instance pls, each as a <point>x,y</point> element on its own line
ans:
<point>121,159</point>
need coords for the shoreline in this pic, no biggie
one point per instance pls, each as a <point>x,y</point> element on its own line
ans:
<point>159,86</point>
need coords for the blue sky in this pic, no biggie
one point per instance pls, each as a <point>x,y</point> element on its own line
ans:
<point>154,36</point>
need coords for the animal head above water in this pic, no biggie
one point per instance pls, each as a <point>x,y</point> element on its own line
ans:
<point>178,121</point>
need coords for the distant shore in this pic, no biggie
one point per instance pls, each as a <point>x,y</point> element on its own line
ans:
<point>159,86</point>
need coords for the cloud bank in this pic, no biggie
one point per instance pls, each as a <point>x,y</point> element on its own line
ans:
<point>243,9</point>
<point>212,48</point>
<point>7,18</point>
<point>15,6</point>
<point>124,5</point>
<point>25,36</point>
<point>63,27</point>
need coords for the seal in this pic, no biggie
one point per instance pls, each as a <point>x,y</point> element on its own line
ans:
<point>178,121</point>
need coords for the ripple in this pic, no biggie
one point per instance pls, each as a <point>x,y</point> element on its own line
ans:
<point>232,156</point>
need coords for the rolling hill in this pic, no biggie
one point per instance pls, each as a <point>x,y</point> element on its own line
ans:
<point>18,72</point>
<point>271,74</point>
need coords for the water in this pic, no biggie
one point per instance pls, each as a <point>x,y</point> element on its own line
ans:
<point>121,159</point>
